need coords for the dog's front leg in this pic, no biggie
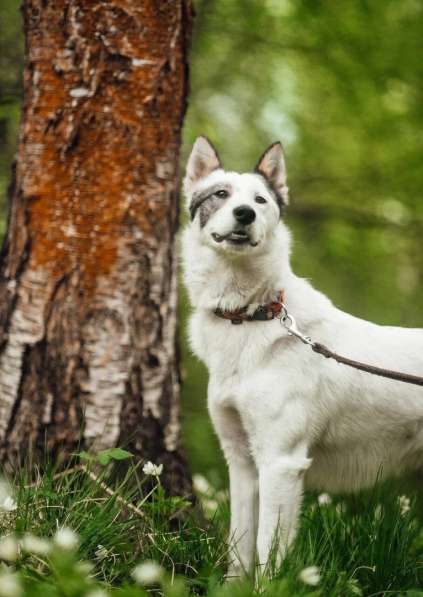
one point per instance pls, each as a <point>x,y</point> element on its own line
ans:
<point>280,488</point>
<point>244,511</point>
<point>243,480</point>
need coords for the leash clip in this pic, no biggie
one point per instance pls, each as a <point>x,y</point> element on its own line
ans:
<point>289,323</point>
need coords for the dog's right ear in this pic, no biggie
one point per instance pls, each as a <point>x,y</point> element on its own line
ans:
<point>271,165</point>
<point>202,161</point>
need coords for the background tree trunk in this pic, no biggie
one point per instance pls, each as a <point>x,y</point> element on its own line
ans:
<point>88,283</point>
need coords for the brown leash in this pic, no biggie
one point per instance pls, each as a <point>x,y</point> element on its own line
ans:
<point>397,375</point>
<point>288,321</point>
<point>278,310</point>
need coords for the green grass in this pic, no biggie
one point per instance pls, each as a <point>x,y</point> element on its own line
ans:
<point>364,545</point>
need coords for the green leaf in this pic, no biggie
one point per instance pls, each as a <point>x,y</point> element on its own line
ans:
<point>117,453</point>
<point>105,456</point>
<point>87,456</point>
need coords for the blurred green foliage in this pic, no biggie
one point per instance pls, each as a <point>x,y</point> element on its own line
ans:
<point>341,85</point>
<point>11,60</point>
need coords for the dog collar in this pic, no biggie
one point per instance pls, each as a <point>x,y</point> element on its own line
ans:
<point>262,313</point>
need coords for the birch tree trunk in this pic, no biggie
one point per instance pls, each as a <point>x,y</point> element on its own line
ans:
<point>87,276</point>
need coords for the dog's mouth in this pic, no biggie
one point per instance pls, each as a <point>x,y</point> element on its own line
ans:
<point>236,237</point>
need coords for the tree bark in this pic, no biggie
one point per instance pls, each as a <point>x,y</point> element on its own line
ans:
<point>88,287</point>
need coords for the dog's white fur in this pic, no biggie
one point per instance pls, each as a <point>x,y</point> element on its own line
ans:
<point>287,418</point>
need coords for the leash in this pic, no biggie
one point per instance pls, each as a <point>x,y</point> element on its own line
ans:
<point>288,321</point>
<point>277,310</point>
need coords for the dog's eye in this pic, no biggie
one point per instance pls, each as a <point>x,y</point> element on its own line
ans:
<point>222,194</point>
<point>260,199</point>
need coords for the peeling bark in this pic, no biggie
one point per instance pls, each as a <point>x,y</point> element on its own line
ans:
<point>88,268</point>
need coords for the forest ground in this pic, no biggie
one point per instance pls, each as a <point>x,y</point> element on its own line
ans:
<point>85,531</point>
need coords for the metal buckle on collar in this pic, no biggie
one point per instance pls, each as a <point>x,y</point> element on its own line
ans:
<point>288,322</point>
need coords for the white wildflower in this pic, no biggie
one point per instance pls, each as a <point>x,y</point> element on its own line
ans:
<point>310,576</point>
<point>36,545</point>
<point>148,573</point>
<point>101,552</point>
<point>404,504</point>
<point>8,504</point>
<point>10,585</point>
<point>84,567</point>
<point>210,506</point>
<point>66,538</point>
<point>324,499</point>
<point>7,501</point>
<point>200,484</point>
<point>152,469</point>
<point>9,549</point>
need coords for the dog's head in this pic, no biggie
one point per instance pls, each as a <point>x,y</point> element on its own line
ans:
<point>235,212</point>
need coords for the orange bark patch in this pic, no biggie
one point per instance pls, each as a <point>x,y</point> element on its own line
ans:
<point>101,125</point>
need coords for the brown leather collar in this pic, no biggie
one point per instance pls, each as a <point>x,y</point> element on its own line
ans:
<point>262,313</point>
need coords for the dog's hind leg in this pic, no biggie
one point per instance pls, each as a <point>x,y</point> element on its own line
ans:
<point>280,488</point>
<point>243,479</point>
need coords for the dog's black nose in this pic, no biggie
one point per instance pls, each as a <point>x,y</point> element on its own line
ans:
<point>244,214</point>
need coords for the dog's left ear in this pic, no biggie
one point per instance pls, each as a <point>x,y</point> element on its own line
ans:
<point>202,162</point>
<point>271,165</point>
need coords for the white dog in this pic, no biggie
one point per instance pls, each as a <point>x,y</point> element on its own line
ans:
<point>287,418</point>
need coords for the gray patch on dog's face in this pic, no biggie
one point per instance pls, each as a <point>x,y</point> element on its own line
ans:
<point>207,202</point>
<point>208,208</point>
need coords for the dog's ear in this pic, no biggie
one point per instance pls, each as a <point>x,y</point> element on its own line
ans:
<point>202,161</point>
<point>271,165</point>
